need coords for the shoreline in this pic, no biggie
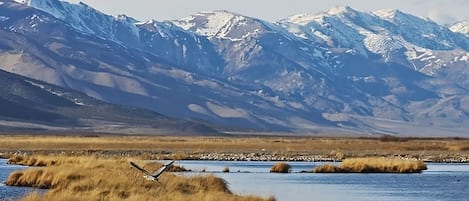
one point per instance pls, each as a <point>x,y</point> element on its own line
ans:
<point>238,156</point>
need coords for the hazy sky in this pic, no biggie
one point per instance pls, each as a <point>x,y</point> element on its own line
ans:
<point>442,11</point>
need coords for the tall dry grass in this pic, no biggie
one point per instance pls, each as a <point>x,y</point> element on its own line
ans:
<point>280,168</point>
<point>181,146</point>
<point>274,147</point>
<point>373,165</point>
<point>114,179</point>
<point>45,160</point>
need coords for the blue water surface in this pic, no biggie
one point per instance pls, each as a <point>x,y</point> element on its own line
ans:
<point>441,182</point>
<point>6,192</point>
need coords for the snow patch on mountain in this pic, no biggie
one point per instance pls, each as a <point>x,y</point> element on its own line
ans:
<point>387,14</point>
<point>218,23</point>
<point>304,19</point>
<point>227,112</point>
<point>198,109</point>
<point>76,101</point>
<point>224,25</point>
<point>87,19</point>
<point>4,18</point>
<point>461,27</point>
<point>210,24</point>
<point>380,44</point>
<point>163,29</point>
<point>22,1</point>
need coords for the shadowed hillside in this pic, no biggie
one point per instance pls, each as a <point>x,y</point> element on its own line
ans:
<point>31,104</point>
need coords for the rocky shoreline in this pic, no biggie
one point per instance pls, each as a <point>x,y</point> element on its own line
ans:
<point>315,158</point>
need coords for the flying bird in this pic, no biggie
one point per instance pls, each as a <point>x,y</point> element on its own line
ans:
<point>156,174</point>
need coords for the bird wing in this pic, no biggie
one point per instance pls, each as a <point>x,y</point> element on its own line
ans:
<point>162,169</point>
<point>141,169</point>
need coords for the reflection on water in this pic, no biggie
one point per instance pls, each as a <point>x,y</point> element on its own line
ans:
<point>448,182</point>
<point>441,182</point>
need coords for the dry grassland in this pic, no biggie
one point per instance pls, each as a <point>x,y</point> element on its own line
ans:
<point>159,147</point>
<point>92,178</point>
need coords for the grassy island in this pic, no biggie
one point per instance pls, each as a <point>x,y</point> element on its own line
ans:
<point>373,165</point>
<point>280,168</point>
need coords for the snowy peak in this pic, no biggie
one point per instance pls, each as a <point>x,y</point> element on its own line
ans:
<point>460,27</point>
<point>391,34</point>
<point>53,7</point>
<point>88,20</point>
<point>302,19</point>
<point>163,29</point>
<point>222,24</point>
<point>207,23</point>
<point>389,14</point>
<point>341,10</point>
<point>342,24</point>
<point>341,13</point>
<point>125,18</point>
<point>407,21</point>
<point>422,32</point>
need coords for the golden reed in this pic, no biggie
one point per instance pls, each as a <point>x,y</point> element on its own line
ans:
<point>373,165</point>
<point>93,178</point>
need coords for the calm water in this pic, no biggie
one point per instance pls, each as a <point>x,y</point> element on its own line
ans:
<point>441,182</point>
<point>9,193</point>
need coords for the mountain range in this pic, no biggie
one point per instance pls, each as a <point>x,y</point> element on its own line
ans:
<point>339,71</point>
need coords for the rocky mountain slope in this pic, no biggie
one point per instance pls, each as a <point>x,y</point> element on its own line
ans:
<point>32,105</point>
<point>338,71</point>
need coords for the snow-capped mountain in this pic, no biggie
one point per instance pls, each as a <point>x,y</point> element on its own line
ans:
<point>89,20</point>
<point>341,70</point>
<point>392,35</point>
<point>156,37</point>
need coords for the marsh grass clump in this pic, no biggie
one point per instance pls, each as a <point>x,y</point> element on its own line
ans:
<point>92,178</point>
<point>280,168</point>
<point>373,165</point>
<point>177,168</point>
<point>15,159</point>
<point>327,168</point>
<point>42,160</point>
